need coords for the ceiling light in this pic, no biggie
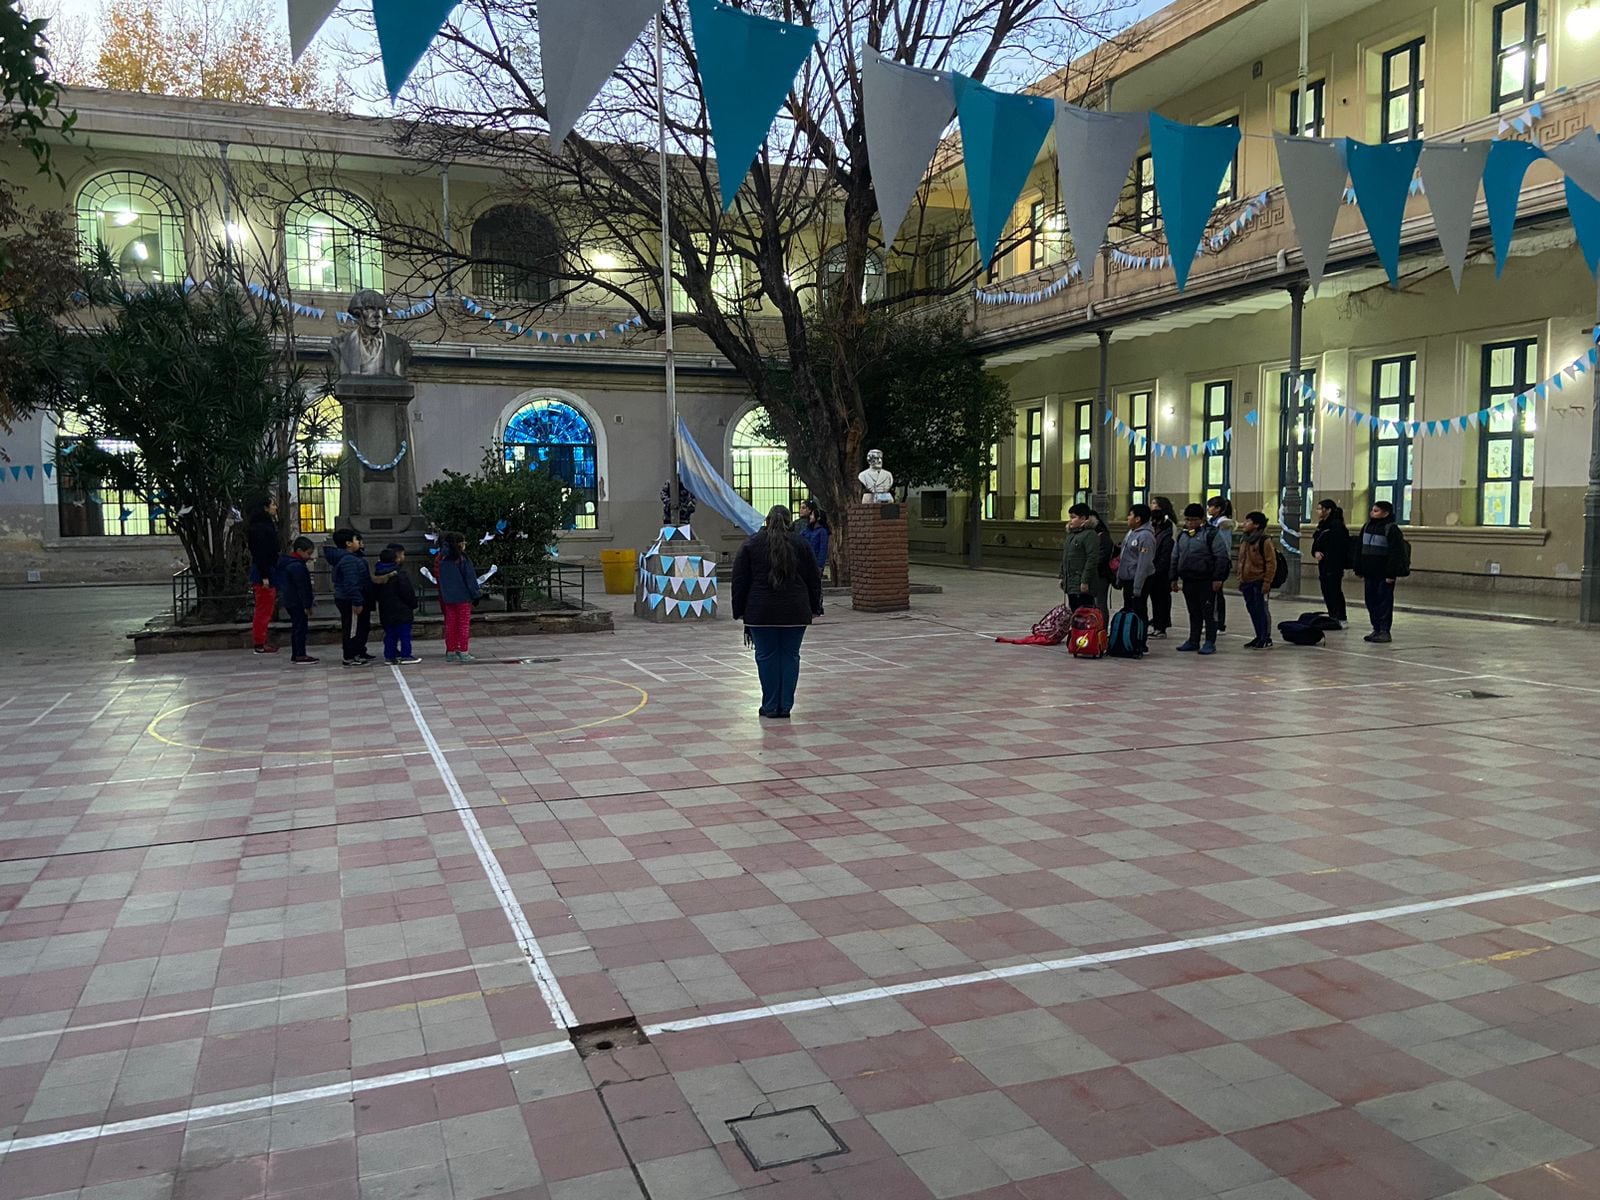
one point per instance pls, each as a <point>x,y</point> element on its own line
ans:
<point>233,231</point>
<point>140,251</point>
<point>126,217</point>
<point>605,261</point>
<point>1583,22</point>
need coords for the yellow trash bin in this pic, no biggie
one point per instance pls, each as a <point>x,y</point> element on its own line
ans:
<point>619,568</point>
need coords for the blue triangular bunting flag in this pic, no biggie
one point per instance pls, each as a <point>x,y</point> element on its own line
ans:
<point>405,27</point>
<point>1000,139</point>
<point>1502,187</point>
<point>1190,163</point>
<point>1382,177</point>
<point>747,65</point>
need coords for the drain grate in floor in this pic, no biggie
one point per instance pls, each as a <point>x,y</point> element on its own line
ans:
<point>781,1138</point>
<point>605,1036</point>
<point>1474,694</point>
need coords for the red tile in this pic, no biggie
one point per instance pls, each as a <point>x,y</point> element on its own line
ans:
<point>572,1136</point>
<point>1576,1178</point>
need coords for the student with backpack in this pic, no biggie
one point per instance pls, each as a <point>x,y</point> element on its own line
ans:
<point>1202,557</point>
<point>1129,632</point>
<point>1261,568</point>
<point>1385,557</point>
<point>1219,514</point>
<point>1330,546</point>
<point>1086,559</point>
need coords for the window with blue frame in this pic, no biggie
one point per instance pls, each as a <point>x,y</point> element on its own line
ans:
<point>553,434</point>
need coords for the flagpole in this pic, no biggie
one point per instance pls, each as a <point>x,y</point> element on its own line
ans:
<point>673,509</point>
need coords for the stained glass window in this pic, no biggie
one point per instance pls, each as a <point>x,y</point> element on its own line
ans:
<point>321,445</point>
<point>554,435</point>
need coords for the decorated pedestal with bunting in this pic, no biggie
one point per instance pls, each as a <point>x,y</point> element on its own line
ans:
<point>378,482</point>
<point>880,558</point>
<point>677,579</point>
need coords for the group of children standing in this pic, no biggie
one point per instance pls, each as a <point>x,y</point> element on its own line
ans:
<point>1164,554</point>
<point>286,579</point>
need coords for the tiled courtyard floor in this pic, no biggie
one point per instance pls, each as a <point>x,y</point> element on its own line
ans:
<point>1312,923</point>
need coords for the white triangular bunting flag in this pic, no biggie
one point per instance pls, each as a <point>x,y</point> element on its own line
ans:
<point>1451,174</point>
<point>1313,181</point>
<point>1095,152</point>
<point>581,43</point>
<point>906,111</point>
<point>306,18</point>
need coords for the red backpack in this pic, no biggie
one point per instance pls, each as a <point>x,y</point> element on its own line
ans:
<point>1087,636</point>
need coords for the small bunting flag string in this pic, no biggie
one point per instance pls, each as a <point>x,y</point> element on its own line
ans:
<point>549,335</point>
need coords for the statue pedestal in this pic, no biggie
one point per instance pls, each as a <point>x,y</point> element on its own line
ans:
<point>880,558</point>
<point>677,579</point>
<point>377,421</point>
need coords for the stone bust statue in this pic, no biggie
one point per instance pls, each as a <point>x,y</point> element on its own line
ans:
<point>369,349</point>
<point>876,483</point>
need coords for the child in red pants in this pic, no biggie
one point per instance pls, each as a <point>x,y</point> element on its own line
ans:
<point>458,588</point>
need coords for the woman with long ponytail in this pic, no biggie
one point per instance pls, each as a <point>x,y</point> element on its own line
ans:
<point>777,589</point>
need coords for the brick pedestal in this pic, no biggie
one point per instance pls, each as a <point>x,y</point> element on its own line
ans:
<point>880,558</point>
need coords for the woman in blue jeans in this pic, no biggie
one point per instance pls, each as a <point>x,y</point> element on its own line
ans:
<point>777,588</point>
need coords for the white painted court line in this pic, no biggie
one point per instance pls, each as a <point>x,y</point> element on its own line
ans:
<point>543,975</point>
<point>643,671</point>
<point>332,1091</point>
<point>146,1018</point>
<point>1020,970</point>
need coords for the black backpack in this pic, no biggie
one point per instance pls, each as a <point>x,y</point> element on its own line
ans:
<point>1128,635</point>
<point>1280,573</point>
<point>1319,620</point>
<point>1298,633</point>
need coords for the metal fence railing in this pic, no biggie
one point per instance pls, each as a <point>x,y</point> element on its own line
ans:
<point>520,588</point>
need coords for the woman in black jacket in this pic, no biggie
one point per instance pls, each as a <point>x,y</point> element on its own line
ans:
<point>1164,524</point>
<point>777,588</point>
<point>261,537</point>
<point>1330,546</point>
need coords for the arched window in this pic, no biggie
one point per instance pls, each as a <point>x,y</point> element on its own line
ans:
<point>137,219</point>
<point>331,243</point>
<point>554,434</point>
<point>872,283</point>
<point>761,471</point>
<point>517,254</point>
<point>320,446</point>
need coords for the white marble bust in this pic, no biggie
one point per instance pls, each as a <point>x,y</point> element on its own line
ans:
<point>876,484</point>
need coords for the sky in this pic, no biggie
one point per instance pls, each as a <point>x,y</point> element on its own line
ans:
<point>339,30</point>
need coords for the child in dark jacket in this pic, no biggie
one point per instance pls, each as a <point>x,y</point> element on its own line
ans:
<point>458,588</point>
<point>298,594</point>
<point>1202,557</point>
<point>397,605</point>
<point>352,594</point>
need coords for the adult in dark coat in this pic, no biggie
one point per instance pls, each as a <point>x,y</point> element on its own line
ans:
<point>777,589</point>
<point>261,537</point>
<point>1330,546</point>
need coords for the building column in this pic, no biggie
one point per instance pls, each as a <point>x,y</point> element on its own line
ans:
<point>1100,461</point>
<point>1589,584</point>
<point>1289,419</point>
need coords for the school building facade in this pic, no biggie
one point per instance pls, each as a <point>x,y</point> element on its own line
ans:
<point>1501,506</point>
<point>311,202</point>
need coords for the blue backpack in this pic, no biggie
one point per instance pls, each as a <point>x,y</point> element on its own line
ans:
<point>1128,636</point>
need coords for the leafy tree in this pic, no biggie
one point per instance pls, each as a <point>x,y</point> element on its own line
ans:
<point>195,380</point>
<point>930,405</point>
<point>523,509</point>
<point>37,248</point>
<point>803,224</point>
<point>207,49</point>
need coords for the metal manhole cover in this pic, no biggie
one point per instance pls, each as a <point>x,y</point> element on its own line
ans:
<point>1474,694</point>
<point>781,1138</point>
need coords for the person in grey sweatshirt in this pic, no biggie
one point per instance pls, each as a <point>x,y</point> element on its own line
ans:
<point>1202,557</point>
<point>1138,562</point>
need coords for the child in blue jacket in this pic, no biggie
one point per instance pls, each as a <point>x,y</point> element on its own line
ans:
<point>298,595</point>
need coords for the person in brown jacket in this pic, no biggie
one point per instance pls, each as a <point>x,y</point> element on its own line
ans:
<point>1258,566</point>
